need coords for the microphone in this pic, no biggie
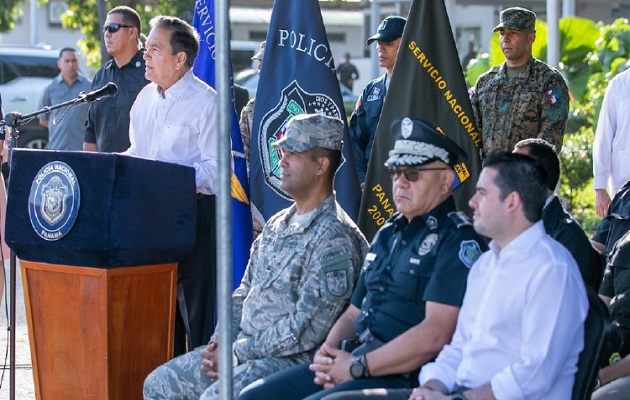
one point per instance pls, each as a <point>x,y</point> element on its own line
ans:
<point>108,90</point>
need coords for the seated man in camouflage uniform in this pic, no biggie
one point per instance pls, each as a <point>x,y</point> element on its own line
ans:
<point>405,305</point>
<point>299,278</point>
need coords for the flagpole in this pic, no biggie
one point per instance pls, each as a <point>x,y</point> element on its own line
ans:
<point>224,205</point>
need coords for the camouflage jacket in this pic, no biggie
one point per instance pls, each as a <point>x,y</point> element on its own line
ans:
<point>533,104</point>
<point>298,281</point>
<point>245,124</point>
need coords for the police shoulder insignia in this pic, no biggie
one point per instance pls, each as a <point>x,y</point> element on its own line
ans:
<point>459,218</point>
<point>432,222</point>
<point>337,278</point>
<point>469,252</point>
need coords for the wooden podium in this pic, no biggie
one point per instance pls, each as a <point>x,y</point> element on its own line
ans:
<point>97,333</point>
<point>100,292</point>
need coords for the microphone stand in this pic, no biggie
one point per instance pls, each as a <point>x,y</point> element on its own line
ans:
<point>13,120</point>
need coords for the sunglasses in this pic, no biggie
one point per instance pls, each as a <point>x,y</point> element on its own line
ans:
<point>114,27</point>
<point>411,174</point>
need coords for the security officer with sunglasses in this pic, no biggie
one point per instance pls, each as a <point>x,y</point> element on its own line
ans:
<point>107,126</point>
<point>405,305</point>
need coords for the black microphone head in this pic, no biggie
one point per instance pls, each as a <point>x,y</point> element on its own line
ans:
<point>110,89</point>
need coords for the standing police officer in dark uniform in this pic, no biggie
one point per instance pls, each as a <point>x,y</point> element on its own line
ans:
<point>406,302</point>
<point>368,109</point>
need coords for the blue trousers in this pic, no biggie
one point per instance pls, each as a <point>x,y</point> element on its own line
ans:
<point>297,383</point>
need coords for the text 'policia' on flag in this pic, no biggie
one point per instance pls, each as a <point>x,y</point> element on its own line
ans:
<point>204,68</point>
<point>298,76</point>
<point>427,83</point>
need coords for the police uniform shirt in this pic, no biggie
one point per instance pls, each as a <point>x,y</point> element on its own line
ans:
<point>410,263</point>
<point>364,120</point>
<point>108,118</point>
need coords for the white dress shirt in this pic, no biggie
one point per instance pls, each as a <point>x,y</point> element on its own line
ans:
<point>521,325</point>
<point>180,128</point>
<point>611,149</point>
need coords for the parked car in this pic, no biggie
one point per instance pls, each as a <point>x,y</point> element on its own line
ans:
<point>24,74</point>
<point>249,80</point>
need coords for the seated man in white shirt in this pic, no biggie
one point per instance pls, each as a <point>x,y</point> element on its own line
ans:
<point>521,326</point>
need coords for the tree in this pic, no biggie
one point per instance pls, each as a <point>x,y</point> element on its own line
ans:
<point>9,9</point>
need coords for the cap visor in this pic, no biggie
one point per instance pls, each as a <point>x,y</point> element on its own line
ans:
<point>382,38</point>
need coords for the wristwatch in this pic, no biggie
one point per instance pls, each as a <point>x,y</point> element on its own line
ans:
<point>359,368</point>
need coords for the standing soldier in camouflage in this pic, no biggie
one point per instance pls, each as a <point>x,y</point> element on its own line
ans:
<point>299,279</point>
<point>523,97</point>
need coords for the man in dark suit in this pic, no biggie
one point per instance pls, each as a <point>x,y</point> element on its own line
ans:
<point>559,224</point>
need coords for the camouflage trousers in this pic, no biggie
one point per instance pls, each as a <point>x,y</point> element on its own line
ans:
<point>181,378</point>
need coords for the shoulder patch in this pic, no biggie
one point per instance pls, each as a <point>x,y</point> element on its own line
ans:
<point>459,219</point>
<point>337,278</point>
<point>469,252</point>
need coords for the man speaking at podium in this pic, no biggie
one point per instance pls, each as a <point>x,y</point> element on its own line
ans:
<point>174,119</point>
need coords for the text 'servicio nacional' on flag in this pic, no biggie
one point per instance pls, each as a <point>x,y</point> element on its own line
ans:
<point>204,69</point>
<point>298,76</point>
<point>427,83</point>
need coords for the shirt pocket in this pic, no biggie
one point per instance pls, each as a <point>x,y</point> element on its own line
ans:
<point>176,143</point>
<point>410,281</point>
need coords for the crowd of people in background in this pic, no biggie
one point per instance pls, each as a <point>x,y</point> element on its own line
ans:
<point>438,305</point>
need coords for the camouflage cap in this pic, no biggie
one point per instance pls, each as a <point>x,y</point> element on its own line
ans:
<point>259,56</point>
<point>307,131</point>
<point>517,18</point>
<point>418,143</point>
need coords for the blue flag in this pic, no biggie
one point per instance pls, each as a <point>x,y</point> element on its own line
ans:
<point>204,69</point>
<point>298,76</point>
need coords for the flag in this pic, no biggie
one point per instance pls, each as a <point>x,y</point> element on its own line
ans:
<point>298,76</point>
<point>427,83</point>
<point>204,69</point>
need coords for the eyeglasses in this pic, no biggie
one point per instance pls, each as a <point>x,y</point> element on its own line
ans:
<point>411,174</point>
<point>114,27</point>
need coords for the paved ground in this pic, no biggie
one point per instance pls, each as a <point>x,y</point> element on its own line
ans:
<point>24,389</point>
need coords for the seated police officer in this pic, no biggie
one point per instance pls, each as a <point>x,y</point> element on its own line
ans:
<point>406,302</point>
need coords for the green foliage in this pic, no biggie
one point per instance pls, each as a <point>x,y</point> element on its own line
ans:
<point>476,67</point>
<point>8,12</point>
<point>576,162</point>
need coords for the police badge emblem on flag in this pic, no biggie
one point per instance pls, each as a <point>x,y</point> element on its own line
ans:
<point>293,101</point>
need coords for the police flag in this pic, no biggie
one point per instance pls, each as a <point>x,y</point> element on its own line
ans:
<point>298,76</point>
<point>204,69</point>
<point>427,83</point>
